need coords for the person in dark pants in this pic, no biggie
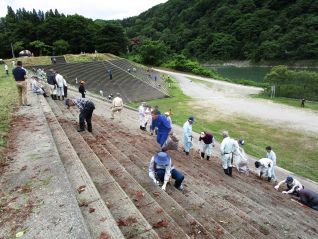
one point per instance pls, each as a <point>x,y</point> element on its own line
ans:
<point>302,103</point>
<point>86,107</point>
<point>309,198</point>
<point>161,168</point>
<point>81,88</point>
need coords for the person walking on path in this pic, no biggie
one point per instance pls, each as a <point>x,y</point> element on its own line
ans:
<point>161,169</point>
<point>86,111</point>
<point>265,166</point>
<point>117,106</point>
<point>187,135</point>
<point>309,198</point>
<point>206,142</point>
<point>292,185</point>
<point>272,156</point>
<point>81,88</point>
<point>6,68</point>
<point>163,126</point>
<point>20,76</point>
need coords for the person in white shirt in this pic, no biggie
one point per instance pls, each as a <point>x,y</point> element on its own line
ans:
<point>227,148</point>
<point>161,168</point>
<point>167,115</point>
<point>293,185</point>
<point>239,157</point>
<point>6,68</point>
<point>187,135</point>
<point>265,166</point>
<point>272,156</point>
<point>142,116</point>
<point>117,106</point>
<point>60,86</point>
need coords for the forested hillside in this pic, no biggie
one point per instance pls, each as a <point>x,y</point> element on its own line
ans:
<point>232,29</point>
<point>52,33</point>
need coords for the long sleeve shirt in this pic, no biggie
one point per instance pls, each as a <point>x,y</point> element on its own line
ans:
<point>162,124</point>
<point>153,167</point>
<point>207,139</point>
<point>295,183</point>
<point>187,130</point>
<point>117,102</point>
<point>271,155</point>
<point>59,80</point>
<point>308,197</point>
<point>81,102</point>
<point>227,146</point>
<point>266,166</point>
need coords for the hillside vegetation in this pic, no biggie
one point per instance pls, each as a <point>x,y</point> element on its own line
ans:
<point>232,29</point>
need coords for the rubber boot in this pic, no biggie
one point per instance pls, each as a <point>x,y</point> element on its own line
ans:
<point>202,155</point>
<point>59,98</point>
<point>207,157</point>
<point>226,171</point>
<point>230,171</point>
<point>269,179</point>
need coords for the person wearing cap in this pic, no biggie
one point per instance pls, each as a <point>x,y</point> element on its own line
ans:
<point>81,88</point>
<point>162,125</point>
<point>117,106</point>
<point>292,185</point>
<point>265,166</point>
<point>270,154</point>
<point>239,157</point>
<point>86,111</point>
<point>168,117</point>
<point>161,168</point>
<point>20,76</point>
<point>308,198</point>
<point>227,148</point>
<point>206,141</point>
<point>187,135</point>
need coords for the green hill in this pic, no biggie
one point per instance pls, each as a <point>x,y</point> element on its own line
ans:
<point>232,29</point>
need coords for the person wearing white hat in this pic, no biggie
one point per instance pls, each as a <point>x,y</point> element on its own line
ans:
<point>292,185</point>
<point>206,142</point>
<point>227,148</point>
<point>187,135</point>
<point>161,168</point>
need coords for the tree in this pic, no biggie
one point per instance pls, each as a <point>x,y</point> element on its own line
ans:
<point>60,47</point>
<point>39,46</point>
<point>18,46</point>
<point>153,52</point>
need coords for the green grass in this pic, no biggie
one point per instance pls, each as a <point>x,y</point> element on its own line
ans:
<point>8,99</point>
<point>296,152</point>
<point>89,57</point>
<point>288,101</point>
<point>31,61</point>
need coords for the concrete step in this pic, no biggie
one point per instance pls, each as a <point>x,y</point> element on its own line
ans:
<point>128,217</point>
<point>100,221</point>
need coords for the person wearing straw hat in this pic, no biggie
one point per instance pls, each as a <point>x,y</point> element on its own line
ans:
<point>117,106</point>
<point>187,135</point>
<point>161,168</point>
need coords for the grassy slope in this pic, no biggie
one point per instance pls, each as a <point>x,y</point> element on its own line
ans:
<point>295,151</point>
<point>8,99</point>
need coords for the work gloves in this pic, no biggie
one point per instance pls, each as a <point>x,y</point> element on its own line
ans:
<point>164,186</point>
<point>276,187</point>
<point>152,176</point>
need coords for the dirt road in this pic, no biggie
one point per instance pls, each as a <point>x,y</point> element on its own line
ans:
<point>227,98</point>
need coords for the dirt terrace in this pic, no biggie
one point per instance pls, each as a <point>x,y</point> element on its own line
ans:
<point>108,172</point>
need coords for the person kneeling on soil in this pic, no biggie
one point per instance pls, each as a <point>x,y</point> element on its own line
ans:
<point>292,184</point>
<point>309,198</point>
<point>86,107</point>
<point>265,166</point>
<point>161,168</point>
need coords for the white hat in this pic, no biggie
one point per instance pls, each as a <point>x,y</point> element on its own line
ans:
<point>167,113</point>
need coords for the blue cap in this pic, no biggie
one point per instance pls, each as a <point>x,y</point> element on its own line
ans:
<point>191,118</point>
<point>162,158</point>
<point>289,179</point>
<point>66,101</point>
<point>241,141</point>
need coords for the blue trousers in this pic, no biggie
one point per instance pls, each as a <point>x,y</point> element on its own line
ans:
<point>175,174</point>
<point>161,138</point>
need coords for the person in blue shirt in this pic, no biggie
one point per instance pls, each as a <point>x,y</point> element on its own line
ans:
<point>163,125</point>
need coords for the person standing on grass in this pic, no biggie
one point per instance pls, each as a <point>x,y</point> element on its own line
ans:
<point>163,126</point>
<point>117,106</point>
<point>6,68</point>
<point>187,135</point>
<point>81,88</point>
<point>227,148</point>
<point>272,156</point>
<point>292,185</point>
<point>161,169</point>
<point>20,76</point>
<point>86,111</point>
<point>206,142</point>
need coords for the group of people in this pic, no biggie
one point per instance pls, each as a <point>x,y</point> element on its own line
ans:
<point>58,85</point>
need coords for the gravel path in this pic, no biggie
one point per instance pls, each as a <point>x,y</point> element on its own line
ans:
<point>228,98</point>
